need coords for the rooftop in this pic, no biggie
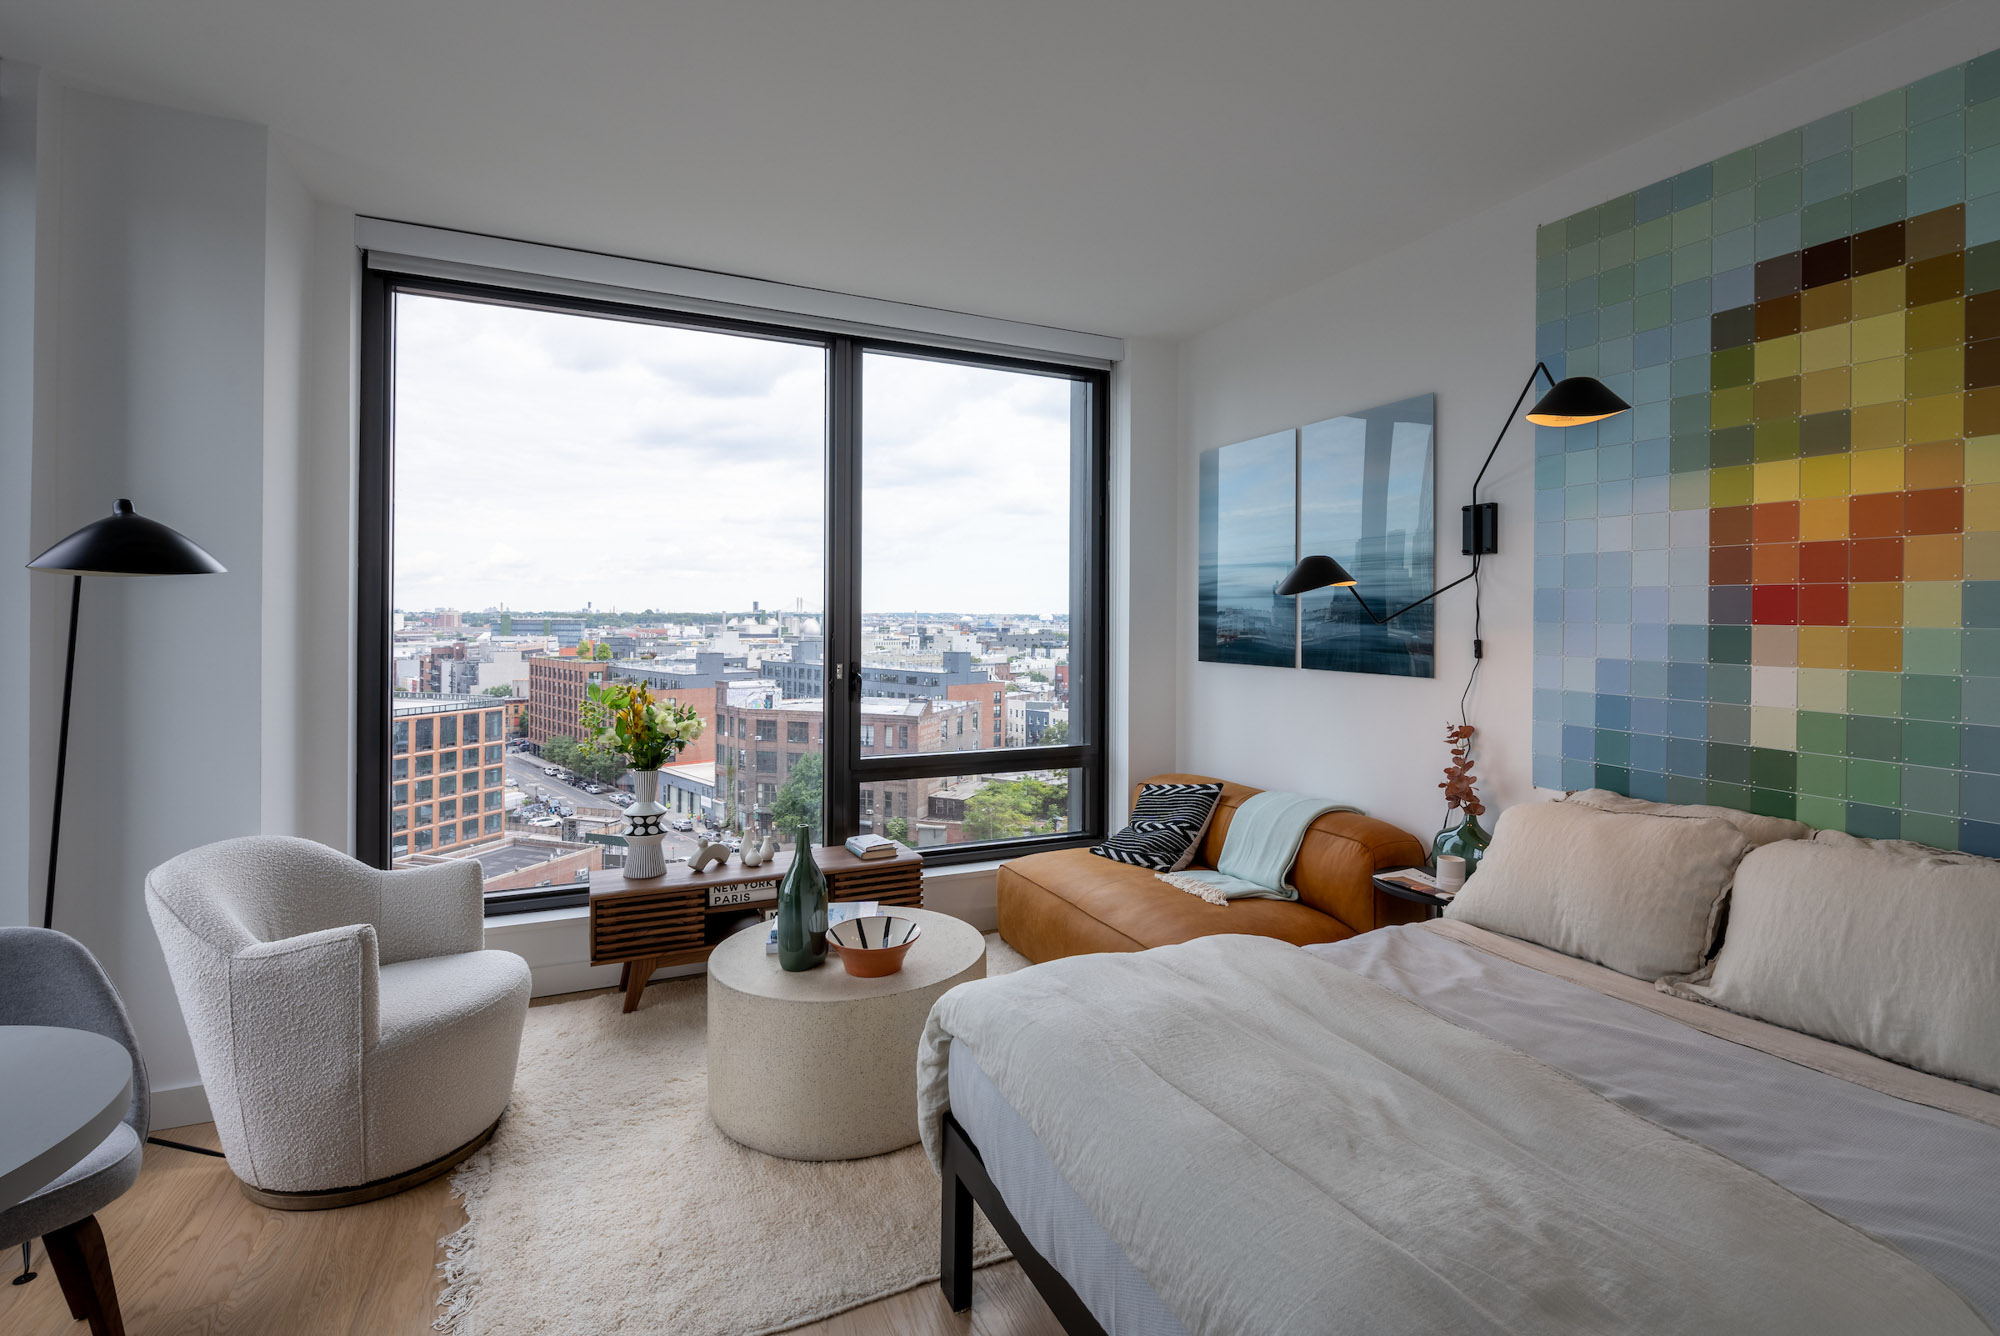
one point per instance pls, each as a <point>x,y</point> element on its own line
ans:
<point>408,703</point>
<point>515,854</point>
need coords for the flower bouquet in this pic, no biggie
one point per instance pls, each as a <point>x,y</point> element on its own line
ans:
<point>624,717</point>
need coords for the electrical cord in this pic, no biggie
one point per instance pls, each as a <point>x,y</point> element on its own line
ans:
<point>182,1145</point>
<point>1478,648</point>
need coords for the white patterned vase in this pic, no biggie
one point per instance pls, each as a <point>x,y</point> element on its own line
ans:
<point>645,828</point>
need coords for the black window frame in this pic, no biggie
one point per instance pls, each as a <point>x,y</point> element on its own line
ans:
<point>846,769</point>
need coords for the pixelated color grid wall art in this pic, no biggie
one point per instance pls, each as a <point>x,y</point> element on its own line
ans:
<point>1775,585</point>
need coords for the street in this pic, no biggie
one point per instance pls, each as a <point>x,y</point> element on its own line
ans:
<point>526,769</point>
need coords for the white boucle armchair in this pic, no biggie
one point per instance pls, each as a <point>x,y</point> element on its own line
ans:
<point>353,1036</point>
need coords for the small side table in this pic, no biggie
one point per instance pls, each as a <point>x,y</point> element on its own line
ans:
<point>1435,903</point>
<point>821,1065</point>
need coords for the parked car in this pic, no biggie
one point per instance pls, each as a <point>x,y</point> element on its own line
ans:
<point>550,770</point>
<point>593,788</point>
<point>684,824</point>
<point>513,783</point>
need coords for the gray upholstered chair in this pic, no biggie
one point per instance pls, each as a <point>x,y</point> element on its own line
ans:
<point>47,978</point>
<point>354,1038</point>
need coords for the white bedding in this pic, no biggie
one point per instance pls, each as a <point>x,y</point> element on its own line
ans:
<point>1279,1144</point>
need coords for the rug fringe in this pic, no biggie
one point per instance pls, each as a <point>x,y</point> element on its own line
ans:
<point>459,1271</point>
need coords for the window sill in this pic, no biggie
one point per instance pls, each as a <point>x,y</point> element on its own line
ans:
<point>556,942</point>
<point>534,916</point>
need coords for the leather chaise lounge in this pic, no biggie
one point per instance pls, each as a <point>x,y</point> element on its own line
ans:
<point>1072,902</point>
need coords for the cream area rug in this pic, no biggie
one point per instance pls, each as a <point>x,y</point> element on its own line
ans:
<point>608,1202</point>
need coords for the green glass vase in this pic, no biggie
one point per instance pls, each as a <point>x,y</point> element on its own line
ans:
<point>1468,839</point>
<point>802,910</point>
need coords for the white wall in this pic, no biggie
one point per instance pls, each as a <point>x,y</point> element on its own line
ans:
<point>326,531</point>
<point>19,869</point>
<point>288,213</point>
<point>168,301</point>
<point>1145,492</point>
<point>1454,313</point>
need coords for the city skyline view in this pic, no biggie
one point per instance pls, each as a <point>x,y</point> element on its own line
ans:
<point>582,500</point>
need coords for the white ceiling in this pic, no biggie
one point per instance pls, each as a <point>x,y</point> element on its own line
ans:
<point>1122,166</point>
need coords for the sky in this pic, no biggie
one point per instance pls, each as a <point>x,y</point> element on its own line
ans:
<point>547,460</point>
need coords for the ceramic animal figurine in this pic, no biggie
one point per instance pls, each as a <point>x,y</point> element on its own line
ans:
<point>712,852</point>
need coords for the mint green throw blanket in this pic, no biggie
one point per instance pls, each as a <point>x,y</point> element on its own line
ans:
<point>1257,853</point>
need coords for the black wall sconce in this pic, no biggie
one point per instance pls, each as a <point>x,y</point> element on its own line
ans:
<point>1570,402</point>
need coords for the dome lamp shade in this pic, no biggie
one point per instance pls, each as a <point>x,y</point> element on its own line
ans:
<point>1575,400</point>
<point>127,543</point>
<point>1316,572</point>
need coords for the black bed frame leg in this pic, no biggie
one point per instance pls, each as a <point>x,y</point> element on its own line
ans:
<point>955,1227</point>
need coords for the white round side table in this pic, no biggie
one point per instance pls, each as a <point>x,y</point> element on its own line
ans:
<point>64,1091</point>
<point>820,1065</point>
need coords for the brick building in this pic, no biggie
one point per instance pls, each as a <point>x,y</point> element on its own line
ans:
<point>446,773</point>
<point>991,698</point>
<point>556,693</point>
<point>760,737</point>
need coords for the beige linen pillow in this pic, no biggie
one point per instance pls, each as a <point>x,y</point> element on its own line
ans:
<point>1759,830</point>
<point>1881,945</point>
<point>1638,891</point>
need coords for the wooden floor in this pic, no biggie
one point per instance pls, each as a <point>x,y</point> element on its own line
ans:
<point>192,1255</point>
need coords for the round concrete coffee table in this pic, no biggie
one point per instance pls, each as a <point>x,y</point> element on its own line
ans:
<point>821,1065</point>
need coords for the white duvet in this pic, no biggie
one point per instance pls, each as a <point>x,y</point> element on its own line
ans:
<point>1280,1145</point>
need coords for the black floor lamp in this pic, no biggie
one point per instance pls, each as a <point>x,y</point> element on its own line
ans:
<point>124,543</point>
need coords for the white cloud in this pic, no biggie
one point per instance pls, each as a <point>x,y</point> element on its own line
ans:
<point>547,460</point>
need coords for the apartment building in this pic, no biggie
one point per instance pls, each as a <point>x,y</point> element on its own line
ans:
<point>446,772</point>
<point>556,688</point>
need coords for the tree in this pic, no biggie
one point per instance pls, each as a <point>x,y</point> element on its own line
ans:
<point>801,801</point>
<point>898,829</point>
<point>504,689</point>
<point>1056,734</point>
<point>548,626</point>
<point>506,623</point>
<point>589,762</point>
<point>1011,808</point>
<point>603,654</point>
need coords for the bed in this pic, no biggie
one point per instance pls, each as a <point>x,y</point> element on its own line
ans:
<point>1436,1128</point>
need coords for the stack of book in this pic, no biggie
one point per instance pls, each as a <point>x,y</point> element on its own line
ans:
<point>871,846</point>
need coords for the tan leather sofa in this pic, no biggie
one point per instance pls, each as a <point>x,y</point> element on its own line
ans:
<point>1072,902</point>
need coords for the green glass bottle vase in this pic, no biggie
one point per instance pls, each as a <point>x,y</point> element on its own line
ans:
<point>802,910</point>
<point>1468,839</point>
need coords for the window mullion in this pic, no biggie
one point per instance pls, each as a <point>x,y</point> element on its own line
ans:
<point>374,567</point>
<point>843,589</point>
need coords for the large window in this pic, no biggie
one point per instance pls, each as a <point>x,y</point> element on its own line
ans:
<point>875,570</point>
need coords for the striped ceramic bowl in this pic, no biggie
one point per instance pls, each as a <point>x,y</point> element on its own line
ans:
<point>874,946</point>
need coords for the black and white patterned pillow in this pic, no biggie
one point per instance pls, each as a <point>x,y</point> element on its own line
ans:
<point>1177,802</point>
<point>1159,845</point>
<point>1168,820</point>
